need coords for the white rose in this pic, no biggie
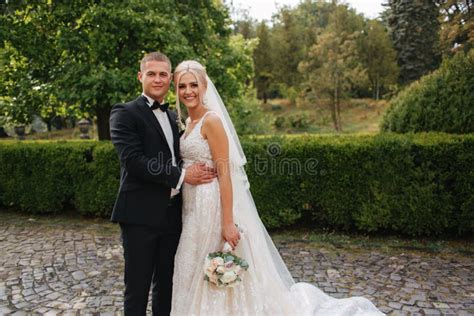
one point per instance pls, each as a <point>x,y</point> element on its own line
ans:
<point>228,277</point>
<point>220,269</point>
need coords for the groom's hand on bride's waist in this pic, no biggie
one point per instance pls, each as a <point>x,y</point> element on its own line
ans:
<point>199,173</point>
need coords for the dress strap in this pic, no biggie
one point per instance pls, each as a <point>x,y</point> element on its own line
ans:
<point>202,119</point>
<point>199,124</point>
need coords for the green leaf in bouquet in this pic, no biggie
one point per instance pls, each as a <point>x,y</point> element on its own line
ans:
<point>244,264</point>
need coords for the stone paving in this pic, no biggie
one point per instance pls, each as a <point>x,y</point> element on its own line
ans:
<point>75,268</point>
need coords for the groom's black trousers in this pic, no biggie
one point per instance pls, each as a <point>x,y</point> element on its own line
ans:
<point>149,260</point>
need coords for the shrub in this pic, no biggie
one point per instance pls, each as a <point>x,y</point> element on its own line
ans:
<point>99,182</point>
<point>413,184</point>
<point>294,121</point>
<point>39,177</point>
<point>441,101</point>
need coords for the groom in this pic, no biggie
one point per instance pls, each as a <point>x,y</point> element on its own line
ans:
<point>148,206</point>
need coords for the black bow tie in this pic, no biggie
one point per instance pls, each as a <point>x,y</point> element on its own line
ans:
<point>163,107</point>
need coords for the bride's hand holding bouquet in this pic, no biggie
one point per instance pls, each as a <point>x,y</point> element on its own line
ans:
<point>231,234</point>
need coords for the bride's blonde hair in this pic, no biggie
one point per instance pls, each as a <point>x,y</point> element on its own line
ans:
<point>199,72</point>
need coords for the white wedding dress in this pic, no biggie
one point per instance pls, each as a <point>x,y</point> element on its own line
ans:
<point>267,287</point>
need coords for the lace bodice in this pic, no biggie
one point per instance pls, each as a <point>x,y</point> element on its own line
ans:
<point>194,147</point>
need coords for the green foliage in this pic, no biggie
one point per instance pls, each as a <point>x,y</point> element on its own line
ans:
<point>414,29</point>
<point>231,72</point>
<point>292,32</point>
<point>293,121</point>
<point>40,177</point>
<point>248,116</point>
<point>457,25</point>
<point>413,184</point>
<point>97,184</point>
<point>19,100</point>
<point>331,67</point>
<point>84,55</point>
<point>441,101</point>
<point>263,61</point>
<point>288,47</point>
<point>378,57</point>
<point>409,184</point>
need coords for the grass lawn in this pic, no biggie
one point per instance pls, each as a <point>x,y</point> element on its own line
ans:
<point>384,243</point>
<point>357,116</point>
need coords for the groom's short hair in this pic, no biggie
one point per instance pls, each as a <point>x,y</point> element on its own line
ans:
<point>154,56</point>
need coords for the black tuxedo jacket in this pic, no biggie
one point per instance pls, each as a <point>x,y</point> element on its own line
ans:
<point>146,171</point>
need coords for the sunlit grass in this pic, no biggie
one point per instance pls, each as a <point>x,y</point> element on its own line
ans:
<point>357,115</point>
<point>384,243</point>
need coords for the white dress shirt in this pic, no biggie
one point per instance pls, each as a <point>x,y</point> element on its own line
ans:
<point>164,122</point>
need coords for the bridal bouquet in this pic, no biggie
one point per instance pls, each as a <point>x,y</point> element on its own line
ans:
<point>223,268</point>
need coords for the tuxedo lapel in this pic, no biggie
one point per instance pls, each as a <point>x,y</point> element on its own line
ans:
<point>150,116</point>
<point>174,127</point>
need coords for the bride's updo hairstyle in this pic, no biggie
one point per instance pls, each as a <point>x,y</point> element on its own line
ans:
<point>199,72</point>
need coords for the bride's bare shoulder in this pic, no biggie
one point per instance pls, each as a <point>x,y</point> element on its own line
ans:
<point>212,125</point>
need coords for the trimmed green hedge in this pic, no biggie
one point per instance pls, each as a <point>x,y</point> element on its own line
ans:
<point>414,184</point>
<point>41,177</point>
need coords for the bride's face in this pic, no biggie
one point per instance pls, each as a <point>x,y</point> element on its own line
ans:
<point>188,90</point>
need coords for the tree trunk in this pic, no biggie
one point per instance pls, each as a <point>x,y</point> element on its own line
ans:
<point>333,113</point>
<point>377,89</point>
<point>2,132</point>
<point>103,127</point>
<point>337,112</point>
<point>265,98</point>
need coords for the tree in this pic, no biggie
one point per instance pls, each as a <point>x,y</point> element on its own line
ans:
<point>332,68</point>
<point>378,57</point>
<point>284,45</point>
<point>85,54</point>
<point>414,30</point>
<point>313,16</point>
<point>27,70</point>
<point>245,25</point>
<point>263,61</point>
<point>457,25</point>
<point>17,102</point>
<point>288,47</point>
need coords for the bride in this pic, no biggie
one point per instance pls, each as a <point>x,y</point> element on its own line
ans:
<point>210,212</point>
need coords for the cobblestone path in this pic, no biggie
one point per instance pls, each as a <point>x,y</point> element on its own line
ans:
<point>75,268</point>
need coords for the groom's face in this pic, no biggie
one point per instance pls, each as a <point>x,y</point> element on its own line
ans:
<point>155,78</point>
